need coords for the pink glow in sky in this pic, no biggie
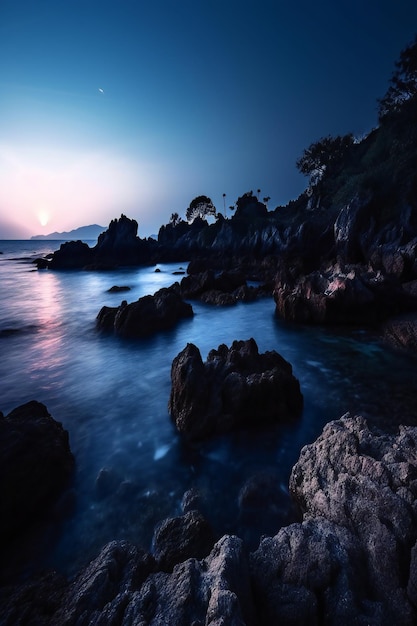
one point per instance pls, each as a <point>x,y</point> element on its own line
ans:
<point>44,190</point>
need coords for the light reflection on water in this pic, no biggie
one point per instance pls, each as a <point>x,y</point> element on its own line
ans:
<point>111,395</point>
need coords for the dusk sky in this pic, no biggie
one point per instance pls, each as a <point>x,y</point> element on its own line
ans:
<point>110,107</point>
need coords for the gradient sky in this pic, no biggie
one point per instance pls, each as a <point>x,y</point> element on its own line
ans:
<point>136,106</point>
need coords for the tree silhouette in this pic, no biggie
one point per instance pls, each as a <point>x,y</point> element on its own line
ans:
<point>175,219</point>
<point>403,83</point>
<point>201,206</point>
<point>266,200</point>
<point>224,204</point>
<point>324,155</point>
<point>258,192</point>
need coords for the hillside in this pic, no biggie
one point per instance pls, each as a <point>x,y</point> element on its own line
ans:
<point>83,232</point>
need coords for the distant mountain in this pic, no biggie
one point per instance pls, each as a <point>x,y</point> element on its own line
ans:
<point>83,232</point>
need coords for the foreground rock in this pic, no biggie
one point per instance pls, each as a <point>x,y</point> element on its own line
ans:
<point>236,387</point>
<point>122,586</point>
<point>352,560</point>
<point>35,466</point>
<point>349,561</point>
<point>149,314</point>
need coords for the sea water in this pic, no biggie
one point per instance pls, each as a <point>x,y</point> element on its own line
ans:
<point>111,394</point>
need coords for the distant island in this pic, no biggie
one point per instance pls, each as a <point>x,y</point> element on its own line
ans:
<point>83,232</point>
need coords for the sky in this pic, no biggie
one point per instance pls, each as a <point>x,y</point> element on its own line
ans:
<point>136,107</point>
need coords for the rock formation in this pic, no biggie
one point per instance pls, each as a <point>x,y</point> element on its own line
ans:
<point>349,560</point>
<point>352,294</point>
<point>236,387</point>
<point>352,559</point>
<point>147,315</point>
<point>35,466</point>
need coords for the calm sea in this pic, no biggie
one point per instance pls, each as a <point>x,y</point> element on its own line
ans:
<point>111,395</point>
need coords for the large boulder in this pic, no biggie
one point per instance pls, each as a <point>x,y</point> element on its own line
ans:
<point>349,561</point>
<point>35,466</point>
<point>145,316</point>
<point>236,387</point>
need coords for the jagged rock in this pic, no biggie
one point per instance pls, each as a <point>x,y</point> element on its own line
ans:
<point>121,586</point>
<point>349,559</point>
<point>101,592</point>
<point>350,295</point>
<point>118,245</point>
<point>236,386</point>
<point>145,316</point>
<point>180,538</point>
<point>351,225</point>
<point>213,591</point>
<point>35,466</point>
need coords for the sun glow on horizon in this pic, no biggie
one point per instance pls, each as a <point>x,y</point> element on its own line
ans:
<point>82,186</point>
<point>43,217</point>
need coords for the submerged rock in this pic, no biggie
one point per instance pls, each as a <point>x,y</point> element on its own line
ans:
<point>236,387</point>
<point>35,466</point>
<point>145,316</point>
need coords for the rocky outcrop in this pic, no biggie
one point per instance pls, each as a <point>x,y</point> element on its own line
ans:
<point>148,315</point>
<point>351,294</point>
<point>235,387</point>
<point>35,466</point>
<point>349,560</point>
<point>119,245</point>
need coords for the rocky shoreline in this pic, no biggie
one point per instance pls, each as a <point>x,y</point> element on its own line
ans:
<point>343,253</point>
<point>352,558</point>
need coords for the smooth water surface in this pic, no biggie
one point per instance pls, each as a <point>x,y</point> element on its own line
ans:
<point>111,395</point>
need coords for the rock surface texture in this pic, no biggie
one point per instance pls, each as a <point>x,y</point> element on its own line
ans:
<point>235,387</point>
<point>350,295</point>
<point>349,560</point>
